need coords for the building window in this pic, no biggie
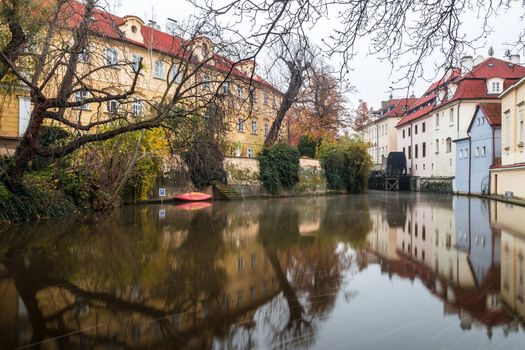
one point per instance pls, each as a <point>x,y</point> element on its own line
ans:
<point>254,127</point>
<point>207,82</point>
<point>404,151</point>
<point>253,95</point>
<point>136,107</point>
<point>253,260</point>
<point>416,151</point>
<point>80,96</point>
<point>409,152</point>
<point>449,145</point>
<point>409,132</point>
<point>483,151</point>
<point>83,57</point>
<point>240,92</point>
<point>176,74</point>
<point>460,154</point>
<point>135,62</point>
<point>158,71</point>
<point>451,116</point>
<point>520,125</point>
<point>415,130</point>
<point>437,121</point>
<point>112,106</point>
<point>496,87</point>
<point>226,87</point>
<point>266,98</point>
<point>403,133</point>
<point>424,149</point>
<point>111,57</point>
<point>250,153</point>
<point>274,103</point>
<point>437,146</point>
<point>423,127</point>
<point>476,152</point>
<point>266,128</point>
<point>240,125</point>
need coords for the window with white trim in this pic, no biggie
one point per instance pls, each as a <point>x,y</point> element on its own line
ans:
<point>136,107</point>
<point>83,57</point>
<point>80,96</point>
<point>158,69</point>
<point>112,106</point>
<point>176,74</point>
<point>135,62</point>
<point>449,145</point>
<point>240,92</point>
<point>226,87</point>
<point>483,151</point>
<point>250,153</point>
<point>111,56</point>
<point>520,125</point>
<point>240,125</point>
<point>266,128</point>
<point>495,87</point>
<point>254,127</point>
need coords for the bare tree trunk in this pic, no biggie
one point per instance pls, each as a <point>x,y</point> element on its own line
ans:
<point>296,81</point>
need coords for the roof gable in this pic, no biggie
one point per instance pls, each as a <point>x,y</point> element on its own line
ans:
<point>491,112</point>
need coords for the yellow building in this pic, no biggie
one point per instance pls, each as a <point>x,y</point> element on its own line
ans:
<point>507,179</point>
<point>190,69</point>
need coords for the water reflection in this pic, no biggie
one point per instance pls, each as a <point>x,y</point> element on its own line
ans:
<point>287,273</point>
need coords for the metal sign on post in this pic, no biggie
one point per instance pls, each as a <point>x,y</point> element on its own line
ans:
<point>162,192</point>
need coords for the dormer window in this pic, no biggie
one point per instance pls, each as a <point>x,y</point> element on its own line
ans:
<point>495,86</point>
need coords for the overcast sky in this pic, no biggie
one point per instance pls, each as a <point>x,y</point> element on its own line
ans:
<point>370,76</point>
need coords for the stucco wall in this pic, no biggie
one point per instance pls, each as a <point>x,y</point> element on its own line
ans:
<point>243,176</point>
<point>508,180</point>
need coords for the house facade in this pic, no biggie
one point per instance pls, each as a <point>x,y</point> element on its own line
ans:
<point>479,151</point>
<point>446,109</point>
<point>380,134</point>
<point>119,44</point>
<point>507,177</point>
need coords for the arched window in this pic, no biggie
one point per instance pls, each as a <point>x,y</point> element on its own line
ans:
<point>449,145</point>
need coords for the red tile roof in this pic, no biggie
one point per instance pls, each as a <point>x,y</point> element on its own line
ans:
<point>107,25</point>
<point>400,107</point>
<point>492,112</point>
<point>469,86</point>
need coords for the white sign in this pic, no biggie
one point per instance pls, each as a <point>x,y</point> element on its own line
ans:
<point>162,213</point>
<point>162,192</point>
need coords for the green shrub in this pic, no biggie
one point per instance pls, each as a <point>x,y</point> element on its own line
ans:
<point>49,136</point>
<point>307,146</point>
<point>205,161</point>
<point>346,164</point>
<point>279,167</point>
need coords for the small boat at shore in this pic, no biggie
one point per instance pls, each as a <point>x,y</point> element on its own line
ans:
<point>193,197</point>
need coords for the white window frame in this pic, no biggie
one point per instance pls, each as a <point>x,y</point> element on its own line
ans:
<point>226,87</point>
<point>136,107</point>
<point>80,96</point>
<point>158,69</point>
<point>520,124</point>
<point>136,62</point>
<point>240,92</point>
<point>176,74</point>
<point>250,153</point>
<point>483,151</point>
<point>112,106</point>
<point>266,128</point>
<point>111,56</point>
<point>254,127</point>
<point>240,124</point>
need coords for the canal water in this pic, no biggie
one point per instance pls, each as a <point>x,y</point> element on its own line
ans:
<point>374,271</point>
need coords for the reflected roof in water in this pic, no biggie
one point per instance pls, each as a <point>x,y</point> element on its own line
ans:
<point>374,271</point>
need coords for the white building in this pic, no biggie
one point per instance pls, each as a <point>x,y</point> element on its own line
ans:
<point>443,114</point>
<point>380,135</point>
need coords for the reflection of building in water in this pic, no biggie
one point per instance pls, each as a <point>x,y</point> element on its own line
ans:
<point>170,308</point>
<point>461,259</point>
<point>510,220</point>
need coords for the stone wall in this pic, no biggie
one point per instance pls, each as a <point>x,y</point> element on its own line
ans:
<point>243,176</point>
<point>435,184</point>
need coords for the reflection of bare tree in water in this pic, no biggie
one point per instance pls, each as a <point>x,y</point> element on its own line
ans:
<point>121,277</point>
<point>310,275</point>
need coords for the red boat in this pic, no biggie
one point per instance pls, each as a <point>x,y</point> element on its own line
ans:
<point>193,197</point>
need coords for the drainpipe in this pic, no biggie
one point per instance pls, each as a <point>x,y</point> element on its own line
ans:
<point>411,149</point>
<point>469,162</point>
<point>377,143</point>
<point>493,157</point>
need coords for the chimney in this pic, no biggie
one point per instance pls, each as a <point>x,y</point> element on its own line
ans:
<point>384,104</point>
<point>467,63</point>
<point>514,58</point>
